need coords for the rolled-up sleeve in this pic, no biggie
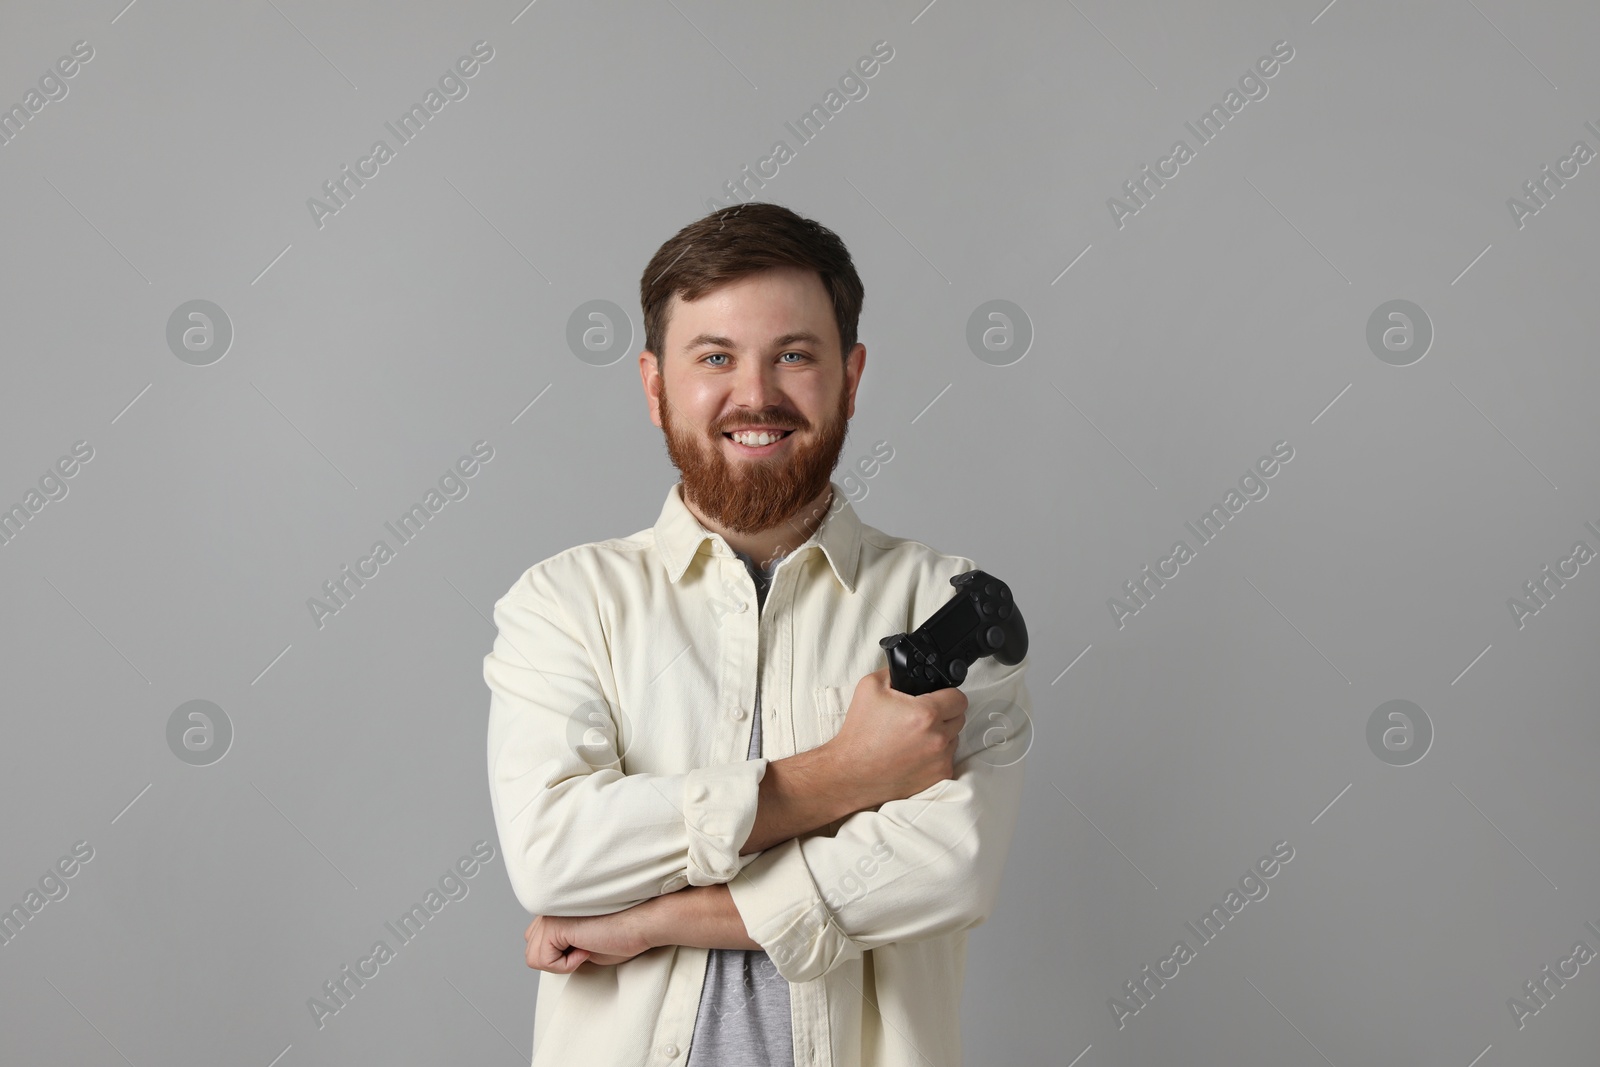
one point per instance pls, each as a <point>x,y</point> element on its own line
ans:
<point>920,867</point>
<point>579,836</point>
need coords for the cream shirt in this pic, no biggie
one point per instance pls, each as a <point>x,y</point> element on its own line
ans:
<point>620,686</point>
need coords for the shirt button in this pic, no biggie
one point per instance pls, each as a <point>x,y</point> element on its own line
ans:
<point>738,713</point>
<point>742,606</point>
<point>670,1050</point>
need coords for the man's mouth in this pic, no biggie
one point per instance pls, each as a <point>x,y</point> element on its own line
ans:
<point>758,442</point>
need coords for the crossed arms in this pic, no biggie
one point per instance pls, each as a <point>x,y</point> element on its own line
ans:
<point>603,855</point>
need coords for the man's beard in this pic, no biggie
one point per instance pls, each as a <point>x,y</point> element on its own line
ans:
<point>749,495</point>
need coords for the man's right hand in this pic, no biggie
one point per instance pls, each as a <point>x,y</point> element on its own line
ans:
<point>894,745</point>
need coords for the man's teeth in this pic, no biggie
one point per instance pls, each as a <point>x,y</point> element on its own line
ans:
<point>756,440</point>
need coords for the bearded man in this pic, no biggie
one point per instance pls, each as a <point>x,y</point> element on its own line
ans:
<point>739,844</point>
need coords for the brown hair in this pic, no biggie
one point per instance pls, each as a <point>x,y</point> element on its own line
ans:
<point>739,240</point>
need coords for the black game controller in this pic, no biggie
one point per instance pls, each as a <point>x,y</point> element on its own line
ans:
<point>980,620</point>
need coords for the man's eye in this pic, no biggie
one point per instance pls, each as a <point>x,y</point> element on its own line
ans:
<point>723,355</point>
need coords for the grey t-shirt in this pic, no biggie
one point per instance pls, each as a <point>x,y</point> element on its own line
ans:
<point>743,1020</point>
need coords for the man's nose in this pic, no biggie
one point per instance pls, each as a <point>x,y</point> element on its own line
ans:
<point>757,387</point>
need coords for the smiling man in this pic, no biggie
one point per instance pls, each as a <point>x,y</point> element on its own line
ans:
<point>739,845</point>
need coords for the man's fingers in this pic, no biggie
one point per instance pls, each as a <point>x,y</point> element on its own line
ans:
<point>546,945</point>
<point>545,956</point>
<point>950,702</point>
<point>573,960</point>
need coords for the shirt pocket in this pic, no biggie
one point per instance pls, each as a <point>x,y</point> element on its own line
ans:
<point>831,709</point>
<point>832,705</point>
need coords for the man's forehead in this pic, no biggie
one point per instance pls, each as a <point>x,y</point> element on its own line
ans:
<point>799,284</point>
<point>796,319</point>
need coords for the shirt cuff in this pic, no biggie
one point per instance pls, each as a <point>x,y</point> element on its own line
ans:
<point>719,810</point>
<point>784,913</point>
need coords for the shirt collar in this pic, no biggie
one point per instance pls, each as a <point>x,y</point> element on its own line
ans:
<point>679,537</point>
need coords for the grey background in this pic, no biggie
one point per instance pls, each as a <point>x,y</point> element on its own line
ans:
<point>1228,314</point>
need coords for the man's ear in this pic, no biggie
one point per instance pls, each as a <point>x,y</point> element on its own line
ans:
<point>853,367</point>
<point>650,378</point>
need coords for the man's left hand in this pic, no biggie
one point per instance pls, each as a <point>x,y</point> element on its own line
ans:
<point>563,943</point>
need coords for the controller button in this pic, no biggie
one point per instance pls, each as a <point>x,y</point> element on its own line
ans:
<point>987,607</point>
<point>992,588</point>
<point>1005,611</point>
<point>1005,593</point>
<point>958,670</point>
<point>997,637</point>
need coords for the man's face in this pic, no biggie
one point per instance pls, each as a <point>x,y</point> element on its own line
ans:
<point>759,352</point>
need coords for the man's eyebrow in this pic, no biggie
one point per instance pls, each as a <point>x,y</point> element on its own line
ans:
<point>714,341</point>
